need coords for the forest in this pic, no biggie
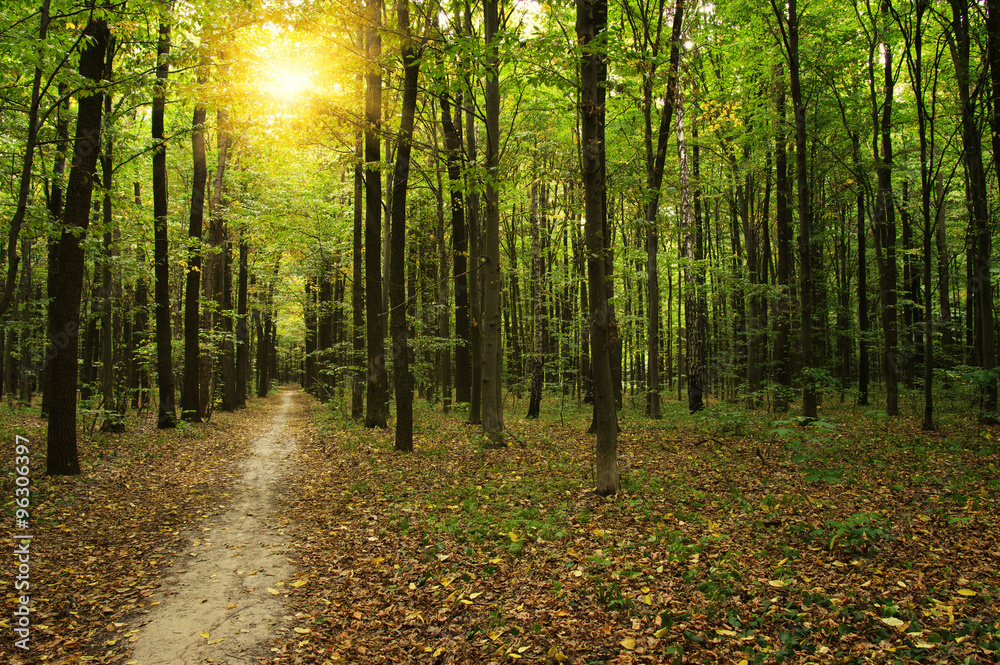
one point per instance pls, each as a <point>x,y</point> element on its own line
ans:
<point>684,261</point>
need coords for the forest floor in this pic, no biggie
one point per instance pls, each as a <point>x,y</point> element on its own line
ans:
<point>738,537</point>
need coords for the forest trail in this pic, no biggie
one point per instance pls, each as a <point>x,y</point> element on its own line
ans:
<point>223,603</point>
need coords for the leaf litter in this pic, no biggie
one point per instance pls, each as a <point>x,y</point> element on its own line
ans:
<point>861,543</point>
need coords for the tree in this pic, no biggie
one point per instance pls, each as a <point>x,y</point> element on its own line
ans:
<point>24,185</point>
<point>378,404</point>
<point>492,360</point>
<point>980,232</point>
<point>64,312</point>
<point>402,378</point>
<point>161,286</point>
<point>191,394</point>
<point>647,37</point>
<point>591,26</point>
<point>789,34</point>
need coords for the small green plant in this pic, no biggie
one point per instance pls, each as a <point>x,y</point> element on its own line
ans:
<point>859,531</point>
<point>610,594</point>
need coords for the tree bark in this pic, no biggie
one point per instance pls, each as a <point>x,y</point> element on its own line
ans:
<point>24,185</point>
<point>492,360</point>
<point>358,286</point>
<point>591,24</point>
<point>691,258</point>
<point>783,224</point>
<point>402,378</point>
<point>460,248</point>
<point>64,312</point>
<point>981,286</point>
<point>475,277</point>
<point>377,413</point>
<point>538,320</point>
<point>191,405</point>
<point>242,326</point>
<point>167,416</point>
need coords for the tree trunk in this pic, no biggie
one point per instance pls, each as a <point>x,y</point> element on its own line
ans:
<point>885,222</point>
<point>167,415</point>
<point>402,378</point>
<point>378,402</point>
<point>810,394</point>
<point>242,327</point>
<point>538,322</point>
<point>113,417</point>
<point>691,257</point>
<point>981,286</point>
<point>24,187</point>
<point>591,22</point>
<point>654,179</point>
<point>492,362</point>
<point>191,393</point>
<point>864,369</point>
<point>783,223</point>
<point>64,312</point>
<point>475,265</point>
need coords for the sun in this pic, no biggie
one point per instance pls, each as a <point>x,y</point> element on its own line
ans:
<point>288,82</point>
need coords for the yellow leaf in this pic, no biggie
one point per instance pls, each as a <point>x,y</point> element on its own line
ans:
<point>660,633</point>
<point>727,633</point>
<point>892,621</point>
<point>628,643</point>
<point>475,595</point>
<point>303,631</point>
<point>648,599</point>
<point>231,606</point>
<point>205,635</point>
<point>522,649</point>
<point>298,583</point>
<point>966,592</point>
<point>272,591</point>
<point>777,583</point>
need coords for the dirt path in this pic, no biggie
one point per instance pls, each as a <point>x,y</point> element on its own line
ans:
<point>223,601</point>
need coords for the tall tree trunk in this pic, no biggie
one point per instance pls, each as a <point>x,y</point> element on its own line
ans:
<point>783,224</point>
<point>691,257</point>
<point>654,179</point>
<point>64,312</point>
<point>402,378</point>
<point>219,274</point>
<point>378,402</point>
<point>885,219</point>
<point>113,418</point>
<point>242,326</point>
<point>191,393</point>
<point>55,213</point>
<point>864,368</point>
<point>459,248</point>
<point>492,361</point>
<point>591,22</point>
<point>357,285</point>
<point>981,286</point>
<point>167,415</point>
<point>538,322</point>
<point>810,394</point>
<point>309,380</point>
<point>475,265</point>
<point>24,186</point>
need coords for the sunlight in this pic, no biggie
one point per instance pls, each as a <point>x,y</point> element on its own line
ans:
<point>287,81</point>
